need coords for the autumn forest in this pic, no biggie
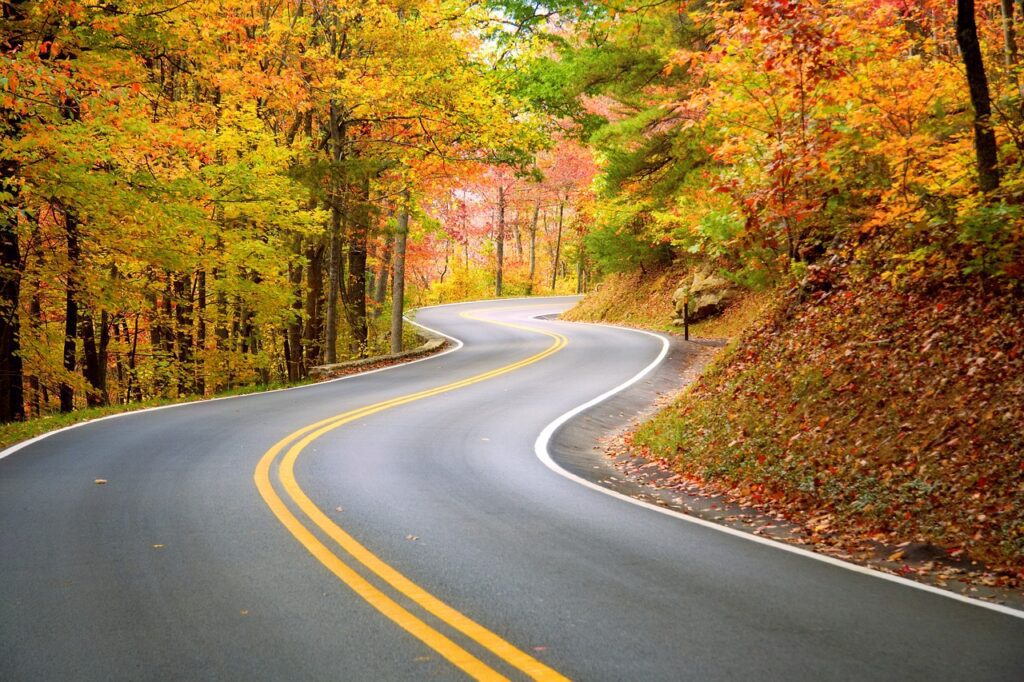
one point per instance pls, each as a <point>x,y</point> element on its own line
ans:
<point>199,195</point>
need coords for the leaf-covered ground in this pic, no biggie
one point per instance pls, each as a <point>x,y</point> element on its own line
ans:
<point>869,412</point>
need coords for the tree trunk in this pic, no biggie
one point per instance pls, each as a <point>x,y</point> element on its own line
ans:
<point>94,374</point>
<point>293,334</point>
<point>499,243</point>
<point>1010,52</point>
<point>1009,34</point>
<point>333,277</point>
<point>183,333</point>
<point>119,370</point>
<point>533,247</point>
<point>201,332</point>
<point>134,390</point>
<point>35,313</point>
<point>12,396</point>
<point>337,134</point>
<point>355,287</point>
<point>398,285</point>
<point>333,284</point>
<point>220,327</point>
<point>237,341</point>
<point>517,234</point>
<point>985,147</point>
<point>380,290</point>
<point>579,268</point>
<point>104,354</point>
<point>558,246</point>
<point>447,260</point>
<point>67,392</point>
<point>313,329</point>
<point>166,317</point>
<point>246,330</point>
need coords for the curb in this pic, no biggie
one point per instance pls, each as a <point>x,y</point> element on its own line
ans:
<point>431,343</point>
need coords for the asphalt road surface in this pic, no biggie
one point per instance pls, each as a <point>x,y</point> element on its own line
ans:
<point>414,533</point>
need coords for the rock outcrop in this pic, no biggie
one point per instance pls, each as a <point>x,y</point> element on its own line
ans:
<point>706,294</point>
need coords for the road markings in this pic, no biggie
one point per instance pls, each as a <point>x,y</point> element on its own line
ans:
<point>297,441</point>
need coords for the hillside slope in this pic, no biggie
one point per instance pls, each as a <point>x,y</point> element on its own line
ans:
<point>864,411</point>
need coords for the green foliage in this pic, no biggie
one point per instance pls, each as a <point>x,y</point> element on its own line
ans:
<point>621,243</point>
<point>989,236</point>
<point>552,86</point>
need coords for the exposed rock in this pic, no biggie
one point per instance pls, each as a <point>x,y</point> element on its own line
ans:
<point>707,294</point>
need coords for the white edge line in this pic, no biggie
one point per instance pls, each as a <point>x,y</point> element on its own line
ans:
<point>458,345</point>
<point>543,453</point>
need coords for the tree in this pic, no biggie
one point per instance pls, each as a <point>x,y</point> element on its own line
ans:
<point>12,401</point>
<point>986,149</point>
<point>398,285</point>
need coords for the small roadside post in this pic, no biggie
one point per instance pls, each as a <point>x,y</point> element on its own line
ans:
<point>686,319</point>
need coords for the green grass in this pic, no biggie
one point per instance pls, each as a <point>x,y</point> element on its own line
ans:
<point>16,432</point>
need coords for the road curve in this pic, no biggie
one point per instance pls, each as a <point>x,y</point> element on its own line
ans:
<point>415,534</point>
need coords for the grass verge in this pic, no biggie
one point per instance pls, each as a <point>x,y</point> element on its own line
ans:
<point>16,432</point>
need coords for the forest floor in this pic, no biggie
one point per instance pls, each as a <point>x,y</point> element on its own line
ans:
<point>878,425</point>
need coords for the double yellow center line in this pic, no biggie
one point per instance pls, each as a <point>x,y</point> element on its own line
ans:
<point>357,554</point>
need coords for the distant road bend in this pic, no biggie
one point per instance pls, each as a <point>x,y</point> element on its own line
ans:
<point>398,525</point>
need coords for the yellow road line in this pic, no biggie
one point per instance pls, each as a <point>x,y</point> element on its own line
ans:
<point>454,653</point>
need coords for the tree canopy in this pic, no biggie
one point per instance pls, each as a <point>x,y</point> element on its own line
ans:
<point>200,195</point>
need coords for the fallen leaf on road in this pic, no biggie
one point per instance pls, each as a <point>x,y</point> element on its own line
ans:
<point>100,481</point>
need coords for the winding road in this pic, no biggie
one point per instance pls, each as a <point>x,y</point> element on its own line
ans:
<point>409,523</point>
